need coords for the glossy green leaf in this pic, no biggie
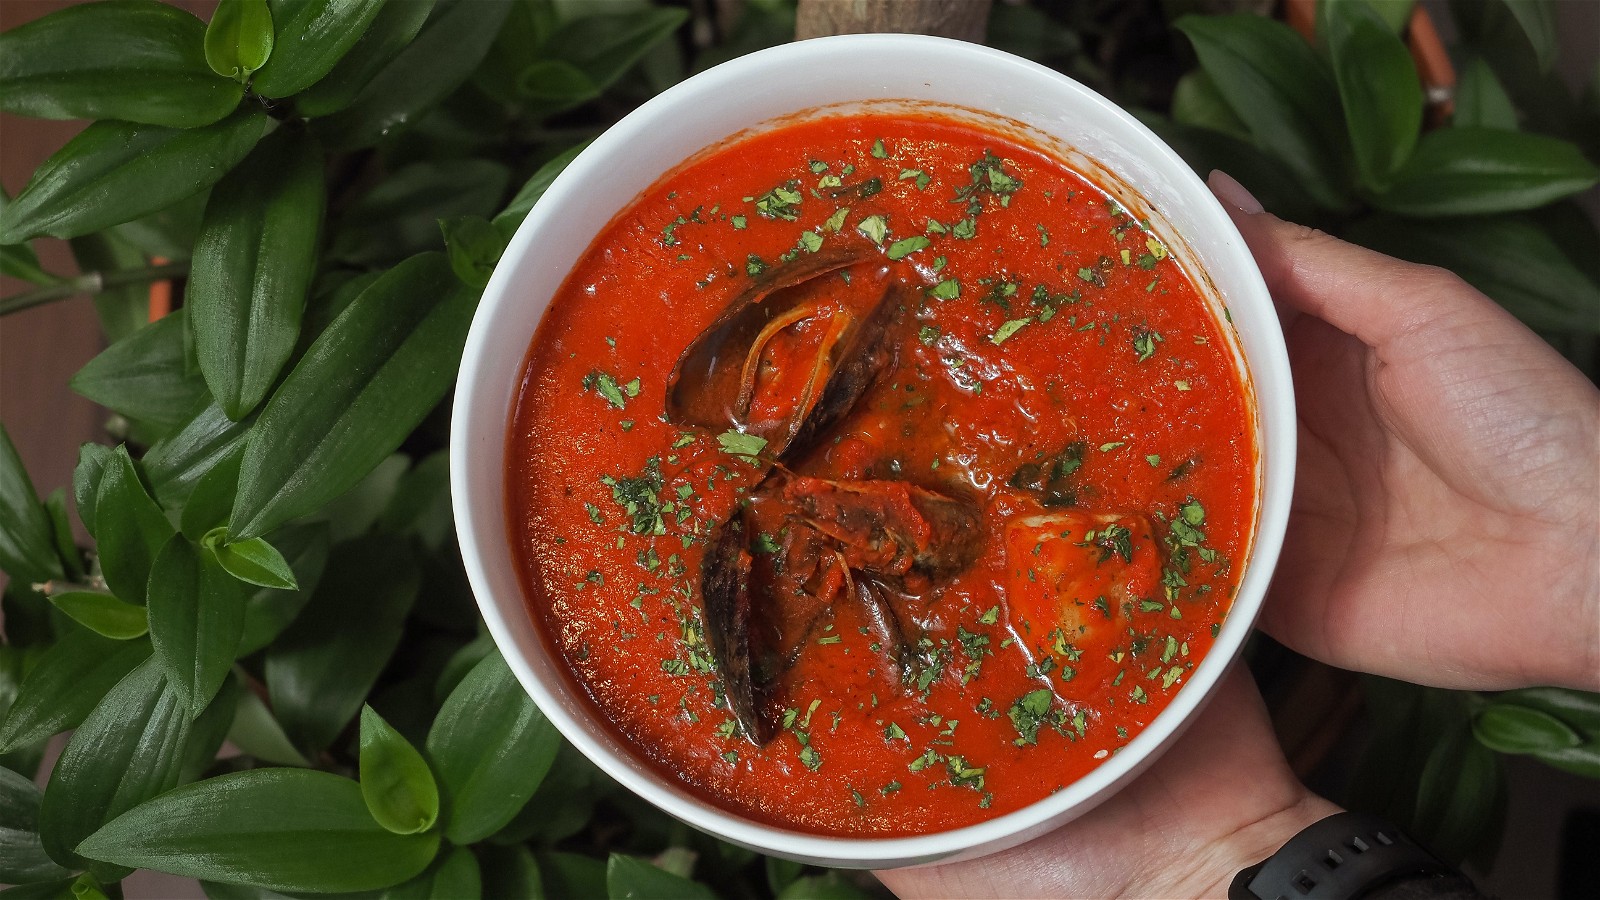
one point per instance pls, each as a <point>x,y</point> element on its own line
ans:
<point>517,210</point>
<point>401,216</point>
<point>65,684</point>
<point>19,260</point>
<point>103,614</point>
<point>360,389</point>
<point>130,526</point>
<point>169,232</point>
<point>1508,728</point>
<point>1578,709</point>
<point>521,39</point>
<point>1278,86</point>
<point>27,543</point>
<point>1197,102</point>
<point>239,38</point>
<point>490,746</point>
<point>72,560</point>
<point>255,562</point>
<point>1378,87</point>
<point>256,732</point>
<point>253,264</point>
<point>127,751</point>
<point>632,878</point>
<point>116,171</point>
<point>322,667</point>
<point>474,245</point>
<point>209,504</point>
<point>122,310</point>
<point>454,875</point>
<point>1510,258</point>
<point>210,730</point>
<point>1205,149</point>
<point>395,779</point>
<point>1481,100</point>
<point>599,49</point>
<point>22,856</point>
<point>1472,171</point>
<point>282,829</point>
<point>177,463</point>
<point>444,53</point>
<point>828,886</point>
<point>354,512</point>
<point>145,376</point>
<point>270,610</point>
<point>1459,795</point>
<point>395,26</point>
<point>92,461</point>
<point>133,60</point>
<point>313,35</point>
<point>1538,21</point>
<point>196,619</point>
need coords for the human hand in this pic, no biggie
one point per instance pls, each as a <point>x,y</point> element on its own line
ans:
<point>1446,520</point>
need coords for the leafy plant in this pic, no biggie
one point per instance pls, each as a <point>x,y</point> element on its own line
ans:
<point>329,184</point>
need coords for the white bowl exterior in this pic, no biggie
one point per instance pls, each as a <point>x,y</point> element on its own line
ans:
<point>747,92</point>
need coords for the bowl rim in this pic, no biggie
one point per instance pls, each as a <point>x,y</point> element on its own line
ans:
<point>1276,453</point>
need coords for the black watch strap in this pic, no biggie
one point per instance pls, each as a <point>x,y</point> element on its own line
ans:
<point>1341,857</point>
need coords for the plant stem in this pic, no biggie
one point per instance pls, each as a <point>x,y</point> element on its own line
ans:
<point>89,283</point>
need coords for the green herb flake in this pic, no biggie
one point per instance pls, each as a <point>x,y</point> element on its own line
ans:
<point>782,202</point>
<point>811,241</point>
<point>604,384</point>
<point>817,167</point>
<point>906,246</point>
<point>738,222</point>
<point>948,289</point>
<point>1154,459</point>
<point>1029,712</point>
<point>927,335</point>
<point>1144,343</point>
<point>836,221</point>
<point>990,615</point>
<point>874,228</point>
<point>745,446</point>
<point>966,229</point>
<point>754,265</point>
<point>878,150</point>
<point>1092,276</point>
<point>1006,330</point>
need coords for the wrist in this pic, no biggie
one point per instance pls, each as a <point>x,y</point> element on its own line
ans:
<point>1208,871</point>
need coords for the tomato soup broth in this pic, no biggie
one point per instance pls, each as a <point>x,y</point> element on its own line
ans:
<point>1006,550</point>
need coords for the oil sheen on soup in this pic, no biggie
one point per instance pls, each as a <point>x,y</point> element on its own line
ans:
<point>879,474</point>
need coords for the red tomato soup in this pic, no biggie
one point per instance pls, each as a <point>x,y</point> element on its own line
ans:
<point>878,475</point>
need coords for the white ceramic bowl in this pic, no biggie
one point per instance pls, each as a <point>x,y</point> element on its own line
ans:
<point>1059,114</point>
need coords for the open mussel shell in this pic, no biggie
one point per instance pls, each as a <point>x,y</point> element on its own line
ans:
<point>725,592</point>
<point>712,383</point>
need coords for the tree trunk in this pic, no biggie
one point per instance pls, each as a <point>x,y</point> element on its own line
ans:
<point>961,19</point>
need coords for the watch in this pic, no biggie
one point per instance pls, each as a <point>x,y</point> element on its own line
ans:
<point>1344,856</point>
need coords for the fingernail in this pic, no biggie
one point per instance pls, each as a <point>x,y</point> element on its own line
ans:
<point>1233,193</point>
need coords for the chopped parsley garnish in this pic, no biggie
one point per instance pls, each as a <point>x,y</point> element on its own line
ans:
<point>966,229</point>
<point>878,150</point>
<point>1144,343</point>
<point>1092,276</point>
<point>782,202</point>
<point>874,228</point>
<point>922,178</point>
<point>948,289</point>
<point>745,446</point>
<point>906,246</point>
<point>640,497</point>
<point>754,265</point>
<point>927,334</point>
<point>836,221</point>
<point>1029,712</point>
<point>606,385</point>
<point>738,221</point>
<point>1008,329</point>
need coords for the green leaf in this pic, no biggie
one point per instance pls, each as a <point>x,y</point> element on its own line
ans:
<point>474,246</point>
<point>209,504</point>
<point>453,875</point>
<point>257,562</point>
<point>401,216</point>
<point>360,389</point>
<point>169,232</point>
<point>55,506</point>
<point>1378,87</point>
<point>397,23</point>
<point>86,476</point>
<point>1472,171</point>
<point>19,260</point>
<point>257,733</point>
<point>323,666</point>
<point>1578,709</point>
<point>828,886</point>
<point>1510,258</point>
<point>1481,101</point>
<point>353,513</point>
<point>313,35</point>
<point>22,856</point>
<point>395,780</point>
<point>103,614</point>
<point>252,267</point>
<point>209,730</point>
<point>631,878</point>
<point>27,544</point>
<point>281,829</point>
<point>133,60</point>
<point>517,210</point>
<point>490,746</point>
<point>270,610</point>
<point>1197,102</point>
<point>146,375</point>
<point>1394,14</point>
<point>1458,796</point>
<point>127,751</point>
<point>782,872</point>
<point>1205,149</point>
<point>1278,86</point>
<point>130,526</point>
<point>196,619</point>
<point>239,38</point>
<point>177,462</point>
<point>124,310</point>
<point>572,875</point>
<point>447,49</point>
<point>116,171</point>
<point>587,54</point>
<point>1538,21</point>
<point>421,503</point>
<point>1508,728</point>
<point>66,684</point>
